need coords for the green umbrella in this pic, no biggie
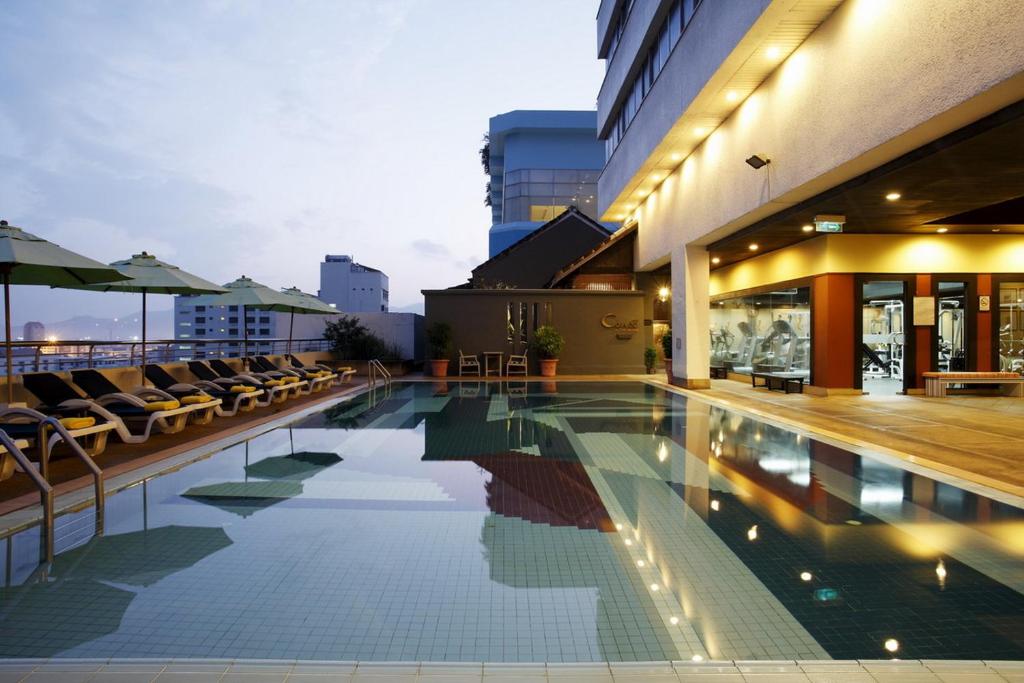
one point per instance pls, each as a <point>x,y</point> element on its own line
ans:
<point>305,303</point>
<point>150,276</point>
<point>245,497</point>
<point>247,293</point>
<point>29,260</point>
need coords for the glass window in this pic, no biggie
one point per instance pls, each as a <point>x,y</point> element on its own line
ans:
<point>233,331</point>
<point>200,332</point>
<point>675,22</point>
<point>509,325</point>
<point>768,332</point>
<point>522,322</point>
<point>232,308</point>
<point>200,309</point>
<point>545,212</point>
<point>1011,326</point>
<point>536,316</point>
<point>264,330</point>
<point>542,176</point>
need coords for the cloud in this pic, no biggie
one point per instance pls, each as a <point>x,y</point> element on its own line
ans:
<point>431,249</point>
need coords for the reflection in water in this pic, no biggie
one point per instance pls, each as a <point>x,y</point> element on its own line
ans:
<point>530,522</point>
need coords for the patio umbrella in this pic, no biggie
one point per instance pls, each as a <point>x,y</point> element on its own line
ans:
<point>306,303</point>
<point>29,260</point>
<point>150,276</point>
<point>247,293</point>
<point>295,466</point>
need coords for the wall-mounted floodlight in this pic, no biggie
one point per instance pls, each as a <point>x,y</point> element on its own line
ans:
<point>757,161</point>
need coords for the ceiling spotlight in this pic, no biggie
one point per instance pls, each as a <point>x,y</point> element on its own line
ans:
<point>753,246</point>
<point>942,230</point>
<point>716,260</point>
<point>995,229</point>
<point>757,161</point>
<point>808,228</point>
<point>893,196</point>
<point>732,96</point>
<point>772,53</point>
<point>699,130</point>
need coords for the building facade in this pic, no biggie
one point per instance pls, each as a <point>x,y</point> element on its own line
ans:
<point>352,287</point>
<point>540,163</point>
<point>834,186</point>
<point>193,321</point>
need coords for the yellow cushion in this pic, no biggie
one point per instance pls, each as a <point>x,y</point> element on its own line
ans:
<point>154,406</point>
<point>197,398</point>
<point>242,388</point>
<point>273,383</point>
<point>288,379</point>
<point>77,422</point>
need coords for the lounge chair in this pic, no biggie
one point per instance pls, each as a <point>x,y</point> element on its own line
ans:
<point>468,365</point>
<point>201,408</point>
<point>318,379</point>
<point>24,425</point>
<point>60,398</point>
<point>344,374</point>
<point>293,383</point>
<point>218,371</point>
<point>516,365</point>
<point>234,399</point>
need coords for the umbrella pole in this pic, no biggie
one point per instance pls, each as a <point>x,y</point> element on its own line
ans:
<point>245,337</point>
<point>143,337</point>
<point>7,338</point>
<point>291,325</point>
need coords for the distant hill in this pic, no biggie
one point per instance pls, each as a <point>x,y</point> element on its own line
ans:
<point>408,308</point>
<point>121,328</point>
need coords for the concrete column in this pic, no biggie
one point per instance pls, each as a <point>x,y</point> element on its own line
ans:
<point>691,317</point>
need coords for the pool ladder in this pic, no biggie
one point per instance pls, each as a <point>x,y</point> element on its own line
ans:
<point>375,371</point>
<point>45,441</point>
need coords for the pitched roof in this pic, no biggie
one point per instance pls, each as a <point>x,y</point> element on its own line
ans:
<point>612,240</point>
<point>571,212</point>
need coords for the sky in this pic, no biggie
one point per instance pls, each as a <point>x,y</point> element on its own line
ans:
<point>245,137</point>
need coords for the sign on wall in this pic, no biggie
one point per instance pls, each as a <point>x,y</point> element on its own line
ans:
<point>624,329</point>
<point>924,310</point>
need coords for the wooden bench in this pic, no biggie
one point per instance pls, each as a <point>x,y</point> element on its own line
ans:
<point>719,372</point>
<point>936,383</point>
<point>781,381</point>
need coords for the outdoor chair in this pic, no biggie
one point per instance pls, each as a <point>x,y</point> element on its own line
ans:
<point>274,392</point>
<point>97,386</point>
<point>232,400</point>
<point>343,375</point>
<point>318,379</point>
<point>468,365</point>
<point>516,365</point>
<point>279,388</point>
<point>119,409</point>
<point>22,424</point>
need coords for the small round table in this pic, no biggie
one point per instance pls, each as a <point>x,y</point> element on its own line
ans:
<point>487,361</point>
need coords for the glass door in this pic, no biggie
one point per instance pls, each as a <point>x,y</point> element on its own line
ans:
<point>951,326</point>
<point>1011,326</point>
<point>883,313</point>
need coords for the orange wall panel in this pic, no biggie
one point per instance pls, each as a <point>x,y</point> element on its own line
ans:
<point>922,335</point>
<point>833,320</point>
<point>983,336</point>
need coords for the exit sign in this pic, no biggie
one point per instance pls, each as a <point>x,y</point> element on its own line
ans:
<point>827,226</point>
<point>829,223</point>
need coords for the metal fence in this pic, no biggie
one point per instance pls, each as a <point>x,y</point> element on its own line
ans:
<point>45,356</point>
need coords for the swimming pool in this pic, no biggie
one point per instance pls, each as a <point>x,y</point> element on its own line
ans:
<point>576,521</point>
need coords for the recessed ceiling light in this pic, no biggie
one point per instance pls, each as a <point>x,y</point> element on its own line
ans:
<point>753,247</point>
<point>893,196</point>
<point>995,229</point>
<point>772,53</point>
<point>941,230</point>
<point>676,156</point>
<point>699,130</point>
<point>808,228</point>
<point>716,260</point>
<point>697,658</point>
<point>732,96</point>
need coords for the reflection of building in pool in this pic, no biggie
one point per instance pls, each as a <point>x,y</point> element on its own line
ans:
<point>886,234</point>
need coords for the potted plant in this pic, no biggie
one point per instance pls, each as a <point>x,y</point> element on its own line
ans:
<point>650,358</point>
<point>439,338</point>
<point>547,343</point>
<point>666,350</point>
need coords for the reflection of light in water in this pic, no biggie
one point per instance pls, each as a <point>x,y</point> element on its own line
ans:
<point>673,620</point>
<point>940,571</point>
<point>778,465</point>
<point>802,478</point>
<point>655,587</point>
<point>697,658</point>
<point>715,505</point>
<point>628,542</point>
<point>640,563</point>
<point>662,452</point>
<point>752,533</point>
<point>618,527</point>
<point>877,493</point>
<point>892,645</point>
<point>806,576</point>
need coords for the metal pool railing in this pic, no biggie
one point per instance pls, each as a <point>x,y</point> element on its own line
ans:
<point>55,356</point>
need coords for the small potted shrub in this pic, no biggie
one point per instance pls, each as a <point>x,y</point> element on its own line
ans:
<point>650,358</point>
<point>666,350</point>
<point>547,343</point>
<point>439,338</point>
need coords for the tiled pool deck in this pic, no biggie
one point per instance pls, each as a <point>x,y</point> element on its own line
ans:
<point>269,671</point>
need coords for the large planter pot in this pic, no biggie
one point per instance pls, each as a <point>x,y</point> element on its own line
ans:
<point>548,367</point>
<point>439,368</point>
<point>668,370</point>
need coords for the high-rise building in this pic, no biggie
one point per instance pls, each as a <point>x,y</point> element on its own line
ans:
<point>34,331</point>
<point>193,321</point>
<point>352,287</point>
<point>834,184</point>
<point>540,163</point>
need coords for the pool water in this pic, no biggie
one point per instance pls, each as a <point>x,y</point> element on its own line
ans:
<point>574,521</point>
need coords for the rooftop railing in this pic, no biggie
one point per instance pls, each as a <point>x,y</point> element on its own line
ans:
<point>52,356</point>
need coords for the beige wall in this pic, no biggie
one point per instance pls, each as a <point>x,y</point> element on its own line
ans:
<point>875,254</point>
<point>477,317</point>
<point>876,80</point>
